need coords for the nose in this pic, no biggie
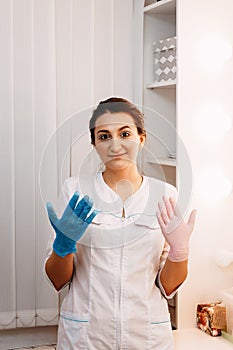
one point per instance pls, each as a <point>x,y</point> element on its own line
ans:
<point>115,145</point>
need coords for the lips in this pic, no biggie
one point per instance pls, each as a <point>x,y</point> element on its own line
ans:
<point>116,155</point>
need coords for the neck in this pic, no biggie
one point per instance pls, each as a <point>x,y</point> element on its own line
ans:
<point>113,176</point>
<point>124,181</point>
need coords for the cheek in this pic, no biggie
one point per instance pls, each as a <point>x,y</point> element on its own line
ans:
<point>101,149</point>
<point>133,146</point>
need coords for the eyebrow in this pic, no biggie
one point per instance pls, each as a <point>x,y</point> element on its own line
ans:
<point>120,129</point>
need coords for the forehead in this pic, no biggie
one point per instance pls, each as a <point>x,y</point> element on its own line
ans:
<point>114,120</point>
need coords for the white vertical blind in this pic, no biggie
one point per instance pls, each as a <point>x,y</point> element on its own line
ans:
<point>104,64</point>
<point>45,106</point>
<point>63,43</point>
<point>83,70</point>
<point>24,159</point>
<point>122,79</point>
<point>57,58</point>
<point>137,50</point>
<point>103,49</point>
<point>82,55</point>
<point>7,206</point>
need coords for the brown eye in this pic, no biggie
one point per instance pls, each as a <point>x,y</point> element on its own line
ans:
<point>125,134</point>
<point>103,137</point>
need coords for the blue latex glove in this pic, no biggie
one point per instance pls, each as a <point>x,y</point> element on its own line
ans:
<point>72,225</point>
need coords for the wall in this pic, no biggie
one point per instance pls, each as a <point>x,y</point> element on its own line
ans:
<point>57,58</point>
<point>197,86</point>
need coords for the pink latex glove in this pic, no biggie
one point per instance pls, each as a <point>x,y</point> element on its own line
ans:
<point>176,232</point>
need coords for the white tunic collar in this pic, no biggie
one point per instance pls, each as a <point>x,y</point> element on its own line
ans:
<point>134,204</point>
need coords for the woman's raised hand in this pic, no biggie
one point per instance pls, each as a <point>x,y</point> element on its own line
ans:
<point>72,225</point>
<point>176,232</point>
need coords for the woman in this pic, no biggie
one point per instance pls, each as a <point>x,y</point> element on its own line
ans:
<point>116,257</point>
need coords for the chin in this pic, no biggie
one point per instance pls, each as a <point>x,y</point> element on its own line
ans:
<point>119,164</point>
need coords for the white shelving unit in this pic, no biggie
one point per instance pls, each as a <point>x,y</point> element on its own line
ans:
<point>164,84</point>
<point>167,7</point>
<point>158,99</point>
<point>166,161</point>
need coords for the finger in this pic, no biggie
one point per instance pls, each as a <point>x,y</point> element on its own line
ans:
<point>51,212</point>
<point>192,218</point>
<point>91,216</point>
<point>175,207</point>
<point>169,208</point>
<point>71,205</point>
<point>74,199</point>
<point>163,213</point>
<point>80,206</point>
<point>161,223</point>
<point>86,209</point>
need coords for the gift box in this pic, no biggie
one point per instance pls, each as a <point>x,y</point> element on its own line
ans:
<point>211,318</point>
<point>165,59</point>
<point>227,297</point>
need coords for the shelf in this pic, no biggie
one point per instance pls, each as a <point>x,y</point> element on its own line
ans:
<point>164,7</point>
<point>170,84</point>
<point>194,338</point>
<point>163,161</point>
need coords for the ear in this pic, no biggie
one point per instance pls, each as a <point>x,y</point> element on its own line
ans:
<point>142,140</point>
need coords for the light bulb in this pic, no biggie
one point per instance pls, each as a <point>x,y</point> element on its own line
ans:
<point>213,122</point>
<point>213,185</point>
<point>213,52</point>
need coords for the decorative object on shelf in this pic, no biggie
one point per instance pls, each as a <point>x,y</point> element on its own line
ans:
<point>227,297</point>
<point>211,318</point>
<point>165,59</point>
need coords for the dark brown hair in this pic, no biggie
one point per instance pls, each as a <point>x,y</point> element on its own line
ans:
<point>116,105</point>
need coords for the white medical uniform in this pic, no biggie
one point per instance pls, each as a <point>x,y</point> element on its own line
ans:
<point>116,300</point>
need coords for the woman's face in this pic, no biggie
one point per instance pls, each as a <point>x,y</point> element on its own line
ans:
<point>117,140</point>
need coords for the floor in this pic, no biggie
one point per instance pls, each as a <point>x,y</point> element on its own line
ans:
<point>51,347</point>
<point>36,338</point>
